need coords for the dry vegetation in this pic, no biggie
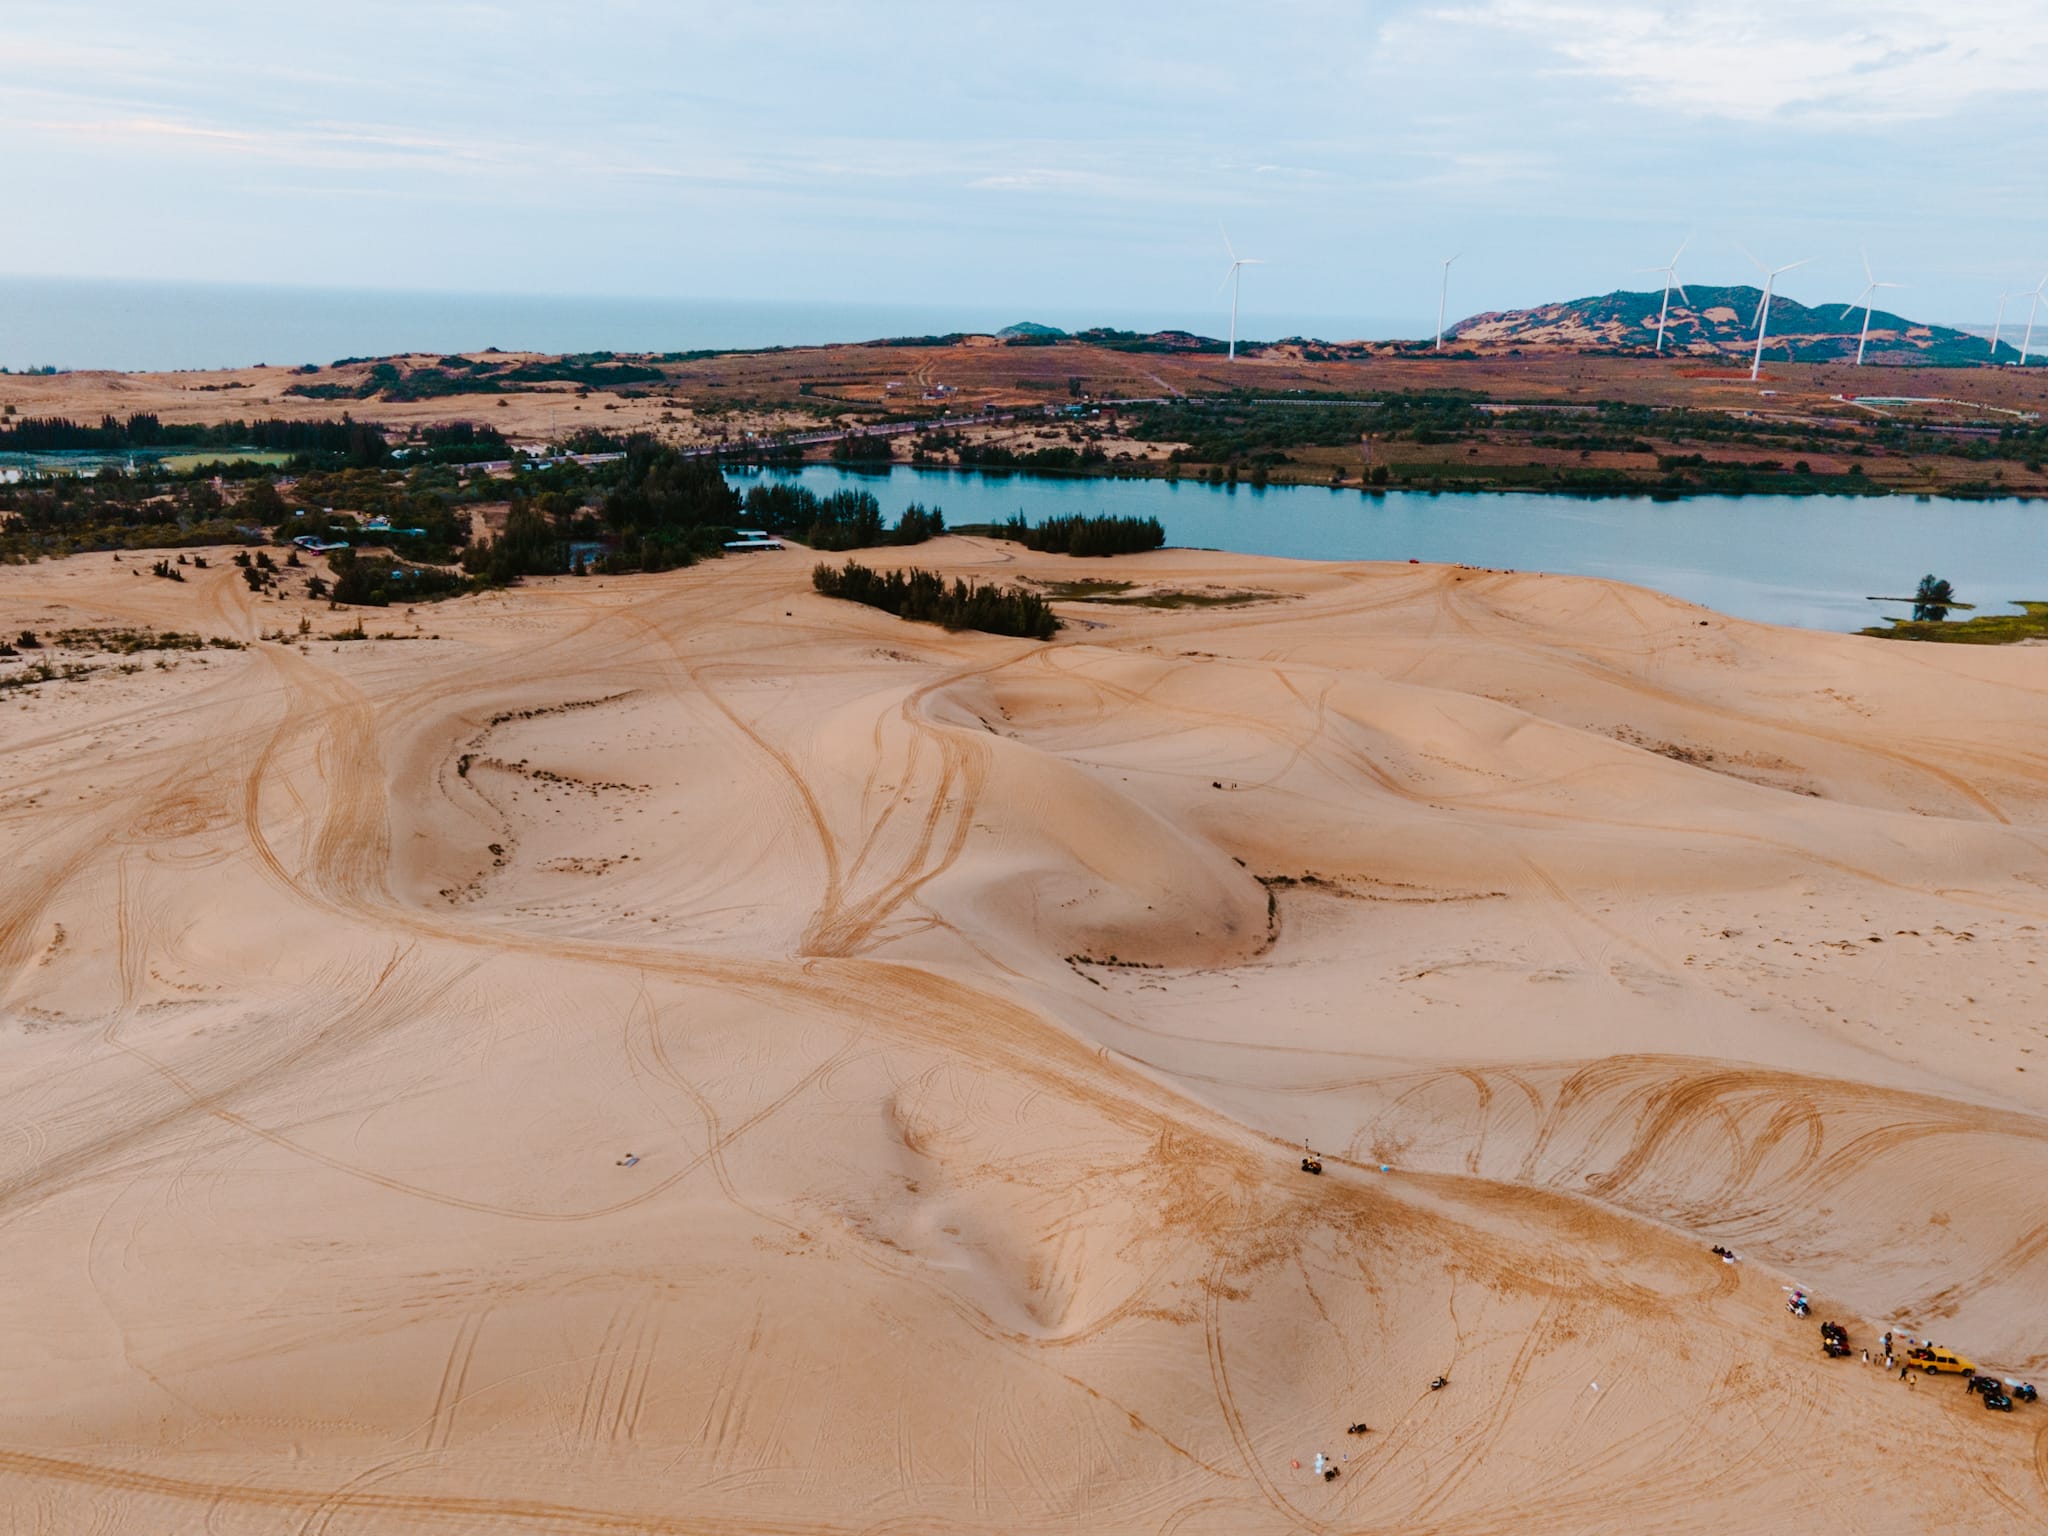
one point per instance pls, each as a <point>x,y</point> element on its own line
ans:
<point>804,389</point>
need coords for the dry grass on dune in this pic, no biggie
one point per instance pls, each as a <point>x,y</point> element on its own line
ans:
<point>679,1054</point>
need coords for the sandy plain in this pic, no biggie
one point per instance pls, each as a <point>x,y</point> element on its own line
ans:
<point>965,1003</point>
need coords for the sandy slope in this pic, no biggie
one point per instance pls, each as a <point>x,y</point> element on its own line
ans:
<point>966,1002</point>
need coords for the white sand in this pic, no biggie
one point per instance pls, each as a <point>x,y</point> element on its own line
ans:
<point>1627,934</point>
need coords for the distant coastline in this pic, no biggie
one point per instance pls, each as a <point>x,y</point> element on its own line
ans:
<point>156,327</point>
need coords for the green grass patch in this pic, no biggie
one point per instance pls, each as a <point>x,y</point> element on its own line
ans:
<point>1180,597</point>
<point>1988,629</point>
<point>179,463</point>
<point>1082,591</point>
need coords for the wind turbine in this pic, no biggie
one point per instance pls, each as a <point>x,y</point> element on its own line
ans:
<point>1998,325</point>
<point>1763,305</point>
<point>1863,298</point>
<point>1443,293</point>
<point>2034,303</point>
<point>1231,277</point>
<point>1670,271</point>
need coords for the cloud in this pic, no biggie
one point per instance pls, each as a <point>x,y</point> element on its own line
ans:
<point>1825,61</point>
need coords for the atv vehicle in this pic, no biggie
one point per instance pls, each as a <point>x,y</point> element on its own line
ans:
<point>1311,1165</point>
<point>1999,1401</point>
<point>1982,1384</point>
<point>2025,1392</point>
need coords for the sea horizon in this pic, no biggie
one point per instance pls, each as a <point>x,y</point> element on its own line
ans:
<point>80,324</point>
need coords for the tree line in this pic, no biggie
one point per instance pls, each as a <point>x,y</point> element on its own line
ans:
<point>843,520</point>
<point>1085,536</point>
<point>925,597</point>
<point>357,441</point>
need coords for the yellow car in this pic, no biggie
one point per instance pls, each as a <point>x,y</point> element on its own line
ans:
<point>1932,1359</point>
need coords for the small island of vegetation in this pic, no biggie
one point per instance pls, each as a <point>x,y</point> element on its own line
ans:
<point>925,597</point>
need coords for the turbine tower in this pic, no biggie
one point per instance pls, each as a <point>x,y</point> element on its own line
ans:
<point>1237,263</point>
<point>1763,306</point>
<point>1443,293</point>
<point>1670,271</point>
<point>1998,325</point>
<point>1870,286</point>
<point>2033,303</point>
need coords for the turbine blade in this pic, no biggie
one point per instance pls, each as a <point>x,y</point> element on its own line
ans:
<point>1752,257</point>
<point>1805,259</point>
<point>1683,294</point>
<point>1226,242</point>
<point>1681,250</point>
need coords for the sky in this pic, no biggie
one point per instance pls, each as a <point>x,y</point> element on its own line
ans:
<point>1056,157</point>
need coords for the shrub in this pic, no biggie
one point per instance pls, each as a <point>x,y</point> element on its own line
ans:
<point>371,581</point>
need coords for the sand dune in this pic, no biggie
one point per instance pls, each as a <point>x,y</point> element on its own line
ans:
<point>965,1002</point>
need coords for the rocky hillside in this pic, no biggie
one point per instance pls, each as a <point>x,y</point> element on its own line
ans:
<point>1722,321</point>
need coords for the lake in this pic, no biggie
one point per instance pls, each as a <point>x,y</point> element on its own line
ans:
<point>1809,561</point>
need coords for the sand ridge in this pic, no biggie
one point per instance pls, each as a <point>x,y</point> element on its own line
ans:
<point>963,1003</point>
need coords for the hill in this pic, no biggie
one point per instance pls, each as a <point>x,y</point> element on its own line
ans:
<point>1713,321</point>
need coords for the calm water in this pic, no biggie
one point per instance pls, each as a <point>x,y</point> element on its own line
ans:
<point>1808,561</point>
<point>78,324</point>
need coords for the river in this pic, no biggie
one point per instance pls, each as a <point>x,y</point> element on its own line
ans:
<point>1810,561</point>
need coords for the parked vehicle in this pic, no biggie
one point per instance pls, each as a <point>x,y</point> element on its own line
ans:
<point>1933,1359</point>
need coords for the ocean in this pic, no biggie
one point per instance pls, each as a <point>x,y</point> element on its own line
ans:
<point>78,324</point>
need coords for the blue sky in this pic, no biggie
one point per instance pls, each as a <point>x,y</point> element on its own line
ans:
<point>1056,156</point>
